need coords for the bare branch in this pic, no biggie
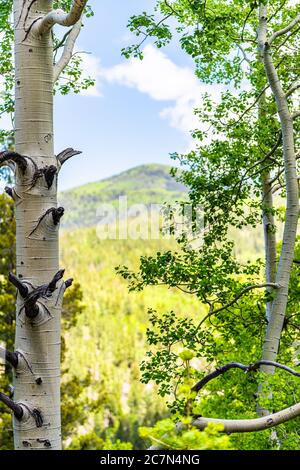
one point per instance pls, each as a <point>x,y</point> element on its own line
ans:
<point>290,26</point>
<point>22,288</point>
<point>243,425</point>
<point>10,357</point>
<point>236,298</point>
<point>57,277</point>
<point>68,51</point>
<point>236,365</point>
<point>31,306</point>
<point>63,156</point>
<point>292,89</point>
<point>252,425</point>
<point>19,160</point>
<point>69,282</point>
<point>16,409</point>
<point>59,17</point>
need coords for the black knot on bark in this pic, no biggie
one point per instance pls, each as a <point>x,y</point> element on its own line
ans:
<point>9,191</point>
<point>57,215</point>
<point>46,290</point>
<point>69,282</point>
<point>49,173</point>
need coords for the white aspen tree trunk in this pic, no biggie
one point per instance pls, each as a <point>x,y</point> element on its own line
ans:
<point>269,238</point>
<point>37,377</point>
<point>277,313</point>
<point>36,360</point>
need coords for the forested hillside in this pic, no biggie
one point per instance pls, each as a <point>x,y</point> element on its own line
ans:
<point>110,336</point>
<point>145,184</point>
<point>109,340</point>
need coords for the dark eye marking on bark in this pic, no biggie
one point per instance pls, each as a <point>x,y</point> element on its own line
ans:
<point>55,213</point>
<point>26,443</point>
<point>21,13</point>
<point>48,172</point>
<point>46,442</point>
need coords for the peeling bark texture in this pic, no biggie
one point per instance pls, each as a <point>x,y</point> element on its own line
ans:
<point>38,281</point>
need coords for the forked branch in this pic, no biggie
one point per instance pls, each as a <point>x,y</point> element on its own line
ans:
<point>59,17</point>
<point>22,288</point>
<point>236,298</point>
<point>285,30</point>
<point>31,306</point>
<point>237,365</point>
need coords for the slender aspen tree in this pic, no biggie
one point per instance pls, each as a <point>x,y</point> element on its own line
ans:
<point>39,279</point>
<point>251,156</point>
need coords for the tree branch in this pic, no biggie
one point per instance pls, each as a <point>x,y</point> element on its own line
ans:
<point>252,425</point>
<point>32,309</point>
<point>236,365</point>
<point>63,156</point>
<point>244,425</point>
<point>19,160</point>
<point>16,409</point>
<point>236,298</point>
<point>10,357</point>
<point>59,17</point>
<point>292,89</point>
<point>68,51</point>
<point>22,288</point>
<point>290,26</point>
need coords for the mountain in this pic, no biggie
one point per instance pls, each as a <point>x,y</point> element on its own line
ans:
<point>143,184</point>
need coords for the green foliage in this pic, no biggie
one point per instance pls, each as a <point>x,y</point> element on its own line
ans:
<point>235,149</point>
<point>92,441</point>
<point>165,434</point>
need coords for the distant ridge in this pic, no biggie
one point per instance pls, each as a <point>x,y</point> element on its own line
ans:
<point>144,184</point>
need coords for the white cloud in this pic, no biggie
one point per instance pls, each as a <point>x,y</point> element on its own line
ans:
<point>161,79</point>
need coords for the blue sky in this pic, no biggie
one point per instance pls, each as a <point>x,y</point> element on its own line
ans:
<point>130,118</point>
<point>138,112</point>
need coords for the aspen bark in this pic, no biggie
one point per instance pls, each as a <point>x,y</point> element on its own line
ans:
<point>37,376</point>
<point>277,313</point>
